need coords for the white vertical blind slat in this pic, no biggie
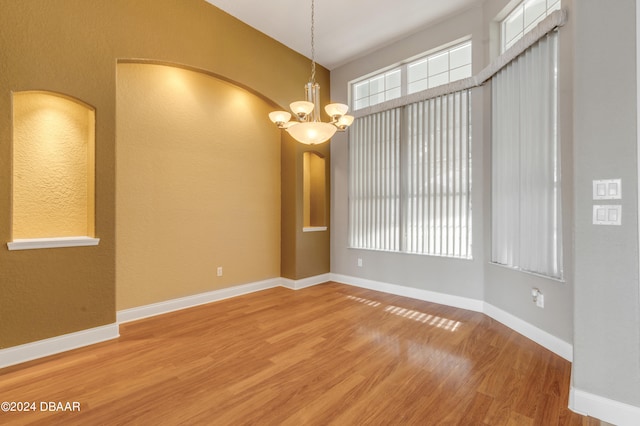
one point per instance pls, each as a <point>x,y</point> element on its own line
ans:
<point>526,231</point>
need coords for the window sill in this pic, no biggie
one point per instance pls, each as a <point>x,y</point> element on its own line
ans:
<point>44,243</point>
<point>535,274</point>
<point>314,228</point>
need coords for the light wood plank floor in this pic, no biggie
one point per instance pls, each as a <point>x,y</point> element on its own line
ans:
<point>329,354</point>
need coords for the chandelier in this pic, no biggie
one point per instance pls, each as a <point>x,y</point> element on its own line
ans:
<point>308,128</point>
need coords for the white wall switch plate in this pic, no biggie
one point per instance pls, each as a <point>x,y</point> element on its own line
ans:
<point>607,189</point>
<point>607,215</point>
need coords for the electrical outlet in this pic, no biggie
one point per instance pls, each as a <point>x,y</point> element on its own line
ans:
<point>219,271</point>
<point>538,297</point>
<point>359,262</point>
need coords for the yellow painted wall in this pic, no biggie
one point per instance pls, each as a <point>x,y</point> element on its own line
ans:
<point>198,184</point>
<point>73,47</point>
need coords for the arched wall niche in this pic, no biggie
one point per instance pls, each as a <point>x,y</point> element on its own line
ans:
<point>53,171</point>
<point>314,191</point>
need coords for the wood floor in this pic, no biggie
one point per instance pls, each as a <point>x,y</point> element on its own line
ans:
<point>329,354</point>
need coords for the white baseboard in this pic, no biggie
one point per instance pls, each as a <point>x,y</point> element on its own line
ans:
<point>54,345</point>
<point>140,312</point>
<point>605,409</point>
<point>541,337</point>
<point>414,293</point>
<point>305,282</point>
<point>554,344</point>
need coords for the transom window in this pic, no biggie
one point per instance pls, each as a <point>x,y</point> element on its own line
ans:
<point>523,19</point>
<point>430,70</point>
<point>440,68</point>
<point>382,87</point>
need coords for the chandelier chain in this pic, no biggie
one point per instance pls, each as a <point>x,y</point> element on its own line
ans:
<point>313,46</point>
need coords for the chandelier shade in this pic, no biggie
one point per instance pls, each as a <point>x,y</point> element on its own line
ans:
<point>336,110</point>
<point>280,117</point>
<point>344,121</point>
<point>308,128</point>
<point>313,132</point>
<point>301,108</point>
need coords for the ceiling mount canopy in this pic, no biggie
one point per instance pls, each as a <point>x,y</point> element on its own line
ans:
<point>307,127</point>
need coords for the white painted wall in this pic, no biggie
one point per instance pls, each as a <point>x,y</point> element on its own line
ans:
<point>607,307</point>
<point>597,307</point>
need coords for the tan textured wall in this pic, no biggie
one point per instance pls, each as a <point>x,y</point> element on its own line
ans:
<point>53,185</point>
<point>198,183</point>
<point>72,47</point>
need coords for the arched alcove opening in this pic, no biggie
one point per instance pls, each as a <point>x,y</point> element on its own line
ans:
<point>198,184</point>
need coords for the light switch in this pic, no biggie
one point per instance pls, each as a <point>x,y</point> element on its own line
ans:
<point>607,189</point>
<point>607,215</point>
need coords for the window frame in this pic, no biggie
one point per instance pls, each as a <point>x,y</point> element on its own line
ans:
<point>403,68</point>
<point>521,8</point>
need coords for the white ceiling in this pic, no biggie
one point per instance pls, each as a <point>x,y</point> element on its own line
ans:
<point>344,29</point>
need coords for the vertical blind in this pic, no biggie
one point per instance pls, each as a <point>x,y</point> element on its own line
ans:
<point>374,181</point>
<point>410,178</point>
<point>526,214</point>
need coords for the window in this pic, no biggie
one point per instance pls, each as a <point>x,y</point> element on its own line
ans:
<point>380,88</point>
<point>526,179</point>
<point>437,205</point>
<point>374,181</point>
<point>410,166</point>
<point>440,68</point>
<point>430,70</point>
<point>524,18</point>
<point>410,178</point>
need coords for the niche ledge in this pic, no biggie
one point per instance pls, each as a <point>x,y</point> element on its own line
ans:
<point>43,243</point>
<point>314,228</point>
